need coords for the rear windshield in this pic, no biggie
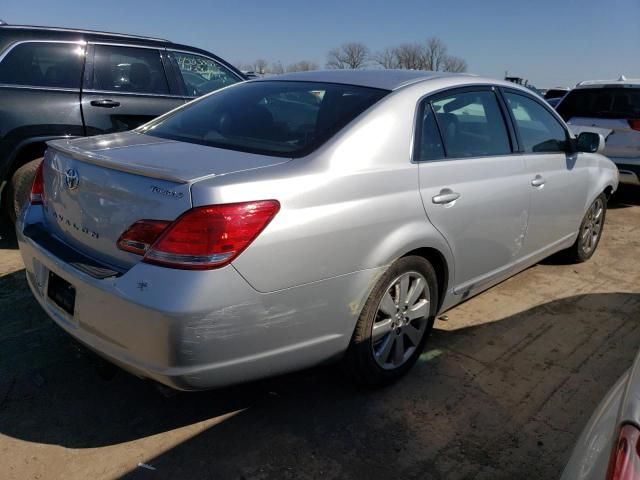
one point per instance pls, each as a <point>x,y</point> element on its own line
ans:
<point>279,118</point>
<point>610,102</point>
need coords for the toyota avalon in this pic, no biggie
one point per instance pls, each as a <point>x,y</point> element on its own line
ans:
<point>290,221</point>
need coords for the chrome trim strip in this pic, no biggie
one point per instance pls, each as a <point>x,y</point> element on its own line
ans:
<point>7,50</point>
<point>159,48</point>
<point>38,87</point>
<point>138,94</point>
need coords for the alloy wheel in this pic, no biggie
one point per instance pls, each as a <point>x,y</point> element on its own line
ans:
<point>401,320</point>
<point>592,226</point>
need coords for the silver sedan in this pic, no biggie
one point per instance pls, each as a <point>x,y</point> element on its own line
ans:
<point>289,221</point>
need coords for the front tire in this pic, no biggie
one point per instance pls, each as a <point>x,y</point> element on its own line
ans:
<point>394,323</point>
<point>590,231</point>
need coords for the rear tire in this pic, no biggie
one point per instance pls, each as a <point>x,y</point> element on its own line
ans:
<point>394,324</point>
<point>19,188</point>
<point>590,232</point>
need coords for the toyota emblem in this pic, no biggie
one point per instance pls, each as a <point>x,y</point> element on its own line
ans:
<point>72,179</point>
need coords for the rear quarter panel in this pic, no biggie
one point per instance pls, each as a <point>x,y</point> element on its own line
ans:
<point>353,205</point>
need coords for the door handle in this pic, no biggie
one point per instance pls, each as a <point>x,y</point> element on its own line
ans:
<point>538,181</point>
<point>445,196</point>
<point>105,103</point>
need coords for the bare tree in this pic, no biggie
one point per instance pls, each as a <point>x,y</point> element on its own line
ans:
<point>349,55</point>
<point>454,64</point>
<point>260,66</point>
<point>410,56</point>
<point>277,68</point>
<point>302,66</point>
<point>387,58</point>
<point>435,53</point>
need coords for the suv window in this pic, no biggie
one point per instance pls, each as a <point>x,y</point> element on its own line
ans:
<point>43,65</point>
<point>428,141</point>
<point>202,75</point>
<point>472,124</point>
<point>128,69</point>
<point>539,130</point>
<point>287,119</point>
<point>609,102</point>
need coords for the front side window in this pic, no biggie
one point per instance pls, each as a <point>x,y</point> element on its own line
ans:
<point>202,75</point>
<point>128,69</point>
<point>539,130</point>
<point>280,118</point>
<point>472,125</point>
<point>41,64</point>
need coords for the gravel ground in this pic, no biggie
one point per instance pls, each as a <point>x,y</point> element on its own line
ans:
<point>502,391</point>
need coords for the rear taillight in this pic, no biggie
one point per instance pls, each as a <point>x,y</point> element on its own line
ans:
<point>624,463</point>
<point>201,238</point>
<point>37,188</point>
<point>140,236</point>
<point>634,124</point>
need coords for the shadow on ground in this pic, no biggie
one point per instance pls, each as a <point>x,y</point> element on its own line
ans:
<point>7,235</point>
<point>482,402</point>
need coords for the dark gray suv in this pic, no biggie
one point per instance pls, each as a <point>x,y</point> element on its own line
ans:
<point>62,83</point>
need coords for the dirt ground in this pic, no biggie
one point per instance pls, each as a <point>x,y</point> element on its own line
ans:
<point>502,391</point>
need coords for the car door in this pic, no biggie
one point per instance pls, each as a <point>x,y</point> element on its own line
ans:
<point>125,86</point>
<point>472,184</point>
<point>557,177</point>
<point>39,94</point>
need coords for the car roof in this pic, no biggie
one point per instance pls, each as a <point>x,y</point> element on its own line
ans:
<point>383,79</point>
<point>620,82</point>
<point>5,26</point>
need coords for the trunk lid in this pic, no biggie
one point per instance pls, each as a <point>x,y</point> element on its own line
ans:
<point>96,188</point>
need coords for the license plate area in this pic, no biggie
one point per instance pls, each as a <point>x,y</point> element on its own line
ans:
<point>62,293</point>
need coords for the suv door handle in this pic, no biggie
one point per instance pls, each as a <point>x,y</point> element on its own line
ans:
<point>445,196</point>
<point>538,181</point>
<point>105,103</point>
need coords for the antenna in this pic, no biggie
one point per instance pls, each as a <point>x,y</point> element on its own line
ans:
<point>622,78</point>
<point>2,22</point>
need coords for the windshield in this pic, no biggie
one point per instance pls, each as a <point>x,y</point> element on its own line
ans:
<point>610,102</point>
<point>279,118</point>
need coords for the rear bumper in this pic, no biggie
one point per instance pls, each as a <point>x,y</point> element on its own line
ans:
<point>629,169</point>
<point>194,330</point>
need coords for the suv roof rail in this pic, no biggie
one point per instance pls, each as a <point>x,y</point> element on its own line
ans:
<point>80,30</point>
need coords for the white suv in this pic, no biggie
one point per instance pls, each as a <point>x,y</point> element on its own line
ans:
<point>611,107</point>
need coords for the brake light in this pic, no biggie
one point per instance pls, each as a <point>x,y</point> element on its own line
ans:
<point>624,463</point>
<point>201,238</point>
<point>634,124</point>
<point>141,235</point>
<point>37,188</point>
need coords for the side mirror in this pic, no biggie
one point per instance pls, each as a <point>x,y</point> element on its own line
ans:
<point>590,142</point>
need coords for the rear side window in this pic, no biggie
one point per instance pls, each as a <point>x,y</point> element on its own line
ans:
<point>428,141</point>
<point>610,102</point>
<point>41,64</point>
<point>472,125</point>
<point>128,69</point>
<point>280,118</point>
<point>539,130</point>
<point>202,75</point>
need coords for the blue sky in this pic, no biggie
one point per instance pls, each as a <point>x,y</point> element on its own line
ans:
<point>549,42</point>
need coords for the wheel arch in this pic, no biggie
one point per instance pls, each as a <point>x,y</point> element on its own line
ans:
<point>439,264</point>
<point>25,151</point>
